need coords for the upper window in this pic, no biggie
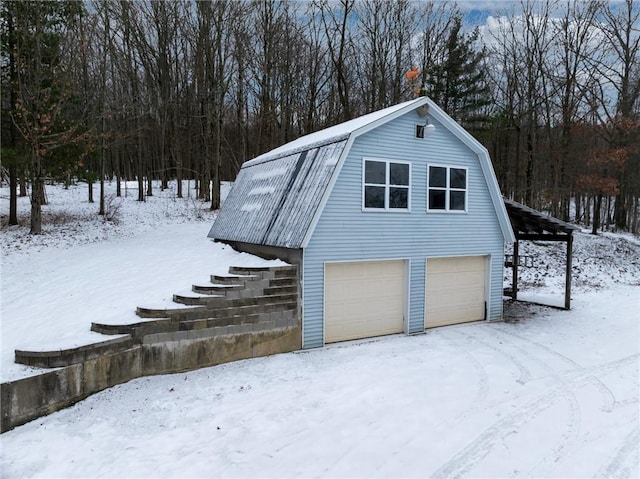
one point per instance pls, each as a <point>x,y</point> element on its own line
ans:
<point>386,185</point>
<point>447,188</point>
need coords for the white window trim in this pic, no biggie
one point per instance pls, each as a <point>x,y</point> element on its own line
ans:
<point>448,189</point>
<point>386,186</point>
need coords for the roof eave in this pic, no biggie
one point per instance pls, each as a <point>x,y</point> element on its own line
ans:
<point>485,164</point>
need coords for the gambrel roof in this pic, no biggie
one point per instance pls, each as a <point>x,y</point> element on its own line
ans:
<point>278,196</point>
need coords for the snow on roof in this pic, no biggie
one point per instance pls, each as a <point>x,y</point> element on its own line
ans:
<point>329,135</point>
<point>273,202</point>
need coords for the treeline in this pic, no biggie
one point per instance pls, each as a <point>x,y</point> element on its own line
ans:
<point>164,90</point>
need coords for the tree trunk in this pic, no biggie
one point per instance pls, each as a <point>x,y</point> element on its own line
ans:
<point>23,185</point>
<point>13,195</point>
<point>620,213</point>
<point>101,211</point>
<point>140,188</point>
<point>529,171</point>
<point>37,200</point>
<point>597,205</point>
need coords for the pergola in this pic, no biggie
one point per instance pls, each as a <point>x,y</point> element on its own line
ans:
<point>532,225</point>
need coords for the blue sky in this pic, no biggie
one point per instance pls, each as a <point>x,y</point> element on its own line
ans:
<point>477,11</point>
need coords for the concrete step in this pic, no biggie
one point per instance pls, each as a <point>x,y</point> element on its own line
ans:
<point>266,272</point>
<point>213,302</point>
<point>200,319</point>
<point>159,313</point>
<point>208,308</point>
<point>291,281</point>
<point>130,328</point>
<point>252,309</point>
<point>191,298</point>
<point>234,279</point>
<point>65,357</point>
<point>207,323</point>
<point>280,290</point>
<point>213,289</point>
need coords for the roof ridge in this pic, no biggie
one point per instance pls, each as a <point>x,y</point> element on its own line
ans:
<point>326,136</point>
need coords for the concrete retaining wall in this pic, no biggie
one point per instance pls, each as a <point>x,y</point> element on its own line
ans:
<point>158,352</point>
<point>26,399</point>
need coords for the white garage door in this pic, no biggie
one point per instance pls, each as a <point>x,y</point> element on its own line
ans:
<point>455,291</point>
<point>363,299</point>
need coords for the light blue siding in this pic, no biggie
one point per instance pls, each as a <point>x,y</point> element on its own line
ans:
<point>344,232</point>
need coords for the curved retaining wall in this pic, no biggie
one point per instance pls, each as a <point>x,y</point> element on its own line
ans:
<point>274,330</point>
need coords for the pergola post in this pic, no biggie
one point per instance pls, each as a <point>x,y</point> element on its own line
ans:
<point>514,269</point>
<point>567,286</point>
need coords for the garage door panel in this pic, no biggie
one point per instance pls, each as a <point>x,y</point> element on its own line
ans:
<point>455,290</point>
<point>456,265</point>
<point>364,299</point>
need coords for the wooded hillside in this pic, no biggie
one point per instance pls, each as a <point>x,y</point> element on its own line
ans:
<point>191,89</point>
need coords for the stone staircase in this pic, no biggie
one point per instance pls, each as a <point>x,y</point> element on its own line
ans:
<point>265,298</point>
<point>249,313</point>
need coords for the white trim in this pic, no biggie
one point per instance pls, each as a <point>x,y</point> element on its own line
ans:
<point>485,164</point>
<point>407,270</point>
<point>487,281</point>
<point>386,186</point>
<point>301,299</point>
<point>338,132</point>
<point>327,193</point>
<point>411,106</point>
<point>488,286</point>
<point>447,189</point>
<point>407,294</point>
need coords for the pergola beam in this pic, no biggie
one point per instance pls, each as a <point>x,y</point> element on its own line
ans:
<point>542,237</point>
<point>531,225</point>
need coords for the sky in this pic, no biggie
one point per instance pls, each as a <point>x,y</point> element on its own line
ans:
<point>476,12</point>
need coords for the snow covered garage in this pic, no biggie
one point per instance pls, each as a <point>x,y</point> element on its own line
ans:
<point>395,219</point>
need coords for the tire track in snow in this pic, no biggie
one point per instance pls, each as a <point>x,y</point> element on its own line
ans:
<point>567,381</point>
<point>483,377</point>
<point>541,353</point>
<point>523,371</point>
<point>626,459</point>
<point>609,398</point>
<point>482,445</point>
<point>548,350</point>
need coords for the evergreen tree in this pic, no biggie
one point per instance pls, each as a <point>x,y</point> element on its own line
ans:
<point>457,81</point>
<point>35,33</point>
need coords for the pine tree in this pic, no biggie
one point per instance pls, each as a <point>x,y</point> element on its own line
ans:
<point>40,87</point>
<point>457,81</point>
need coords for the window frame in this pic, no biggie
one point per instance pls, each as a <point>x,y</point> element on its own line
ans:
<point>448,189</point>
<point>387,185</point>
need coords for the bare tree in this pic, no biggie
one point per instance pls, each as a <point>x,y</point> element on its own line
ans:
<point>575,46</point>
<point>335,18</point>
<point>622,72</point>
<point>384,36</point>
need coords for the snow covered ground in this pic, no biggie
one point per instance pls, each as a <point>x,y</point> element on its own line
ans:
<point>548,393</point>
<point>84,269</point>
